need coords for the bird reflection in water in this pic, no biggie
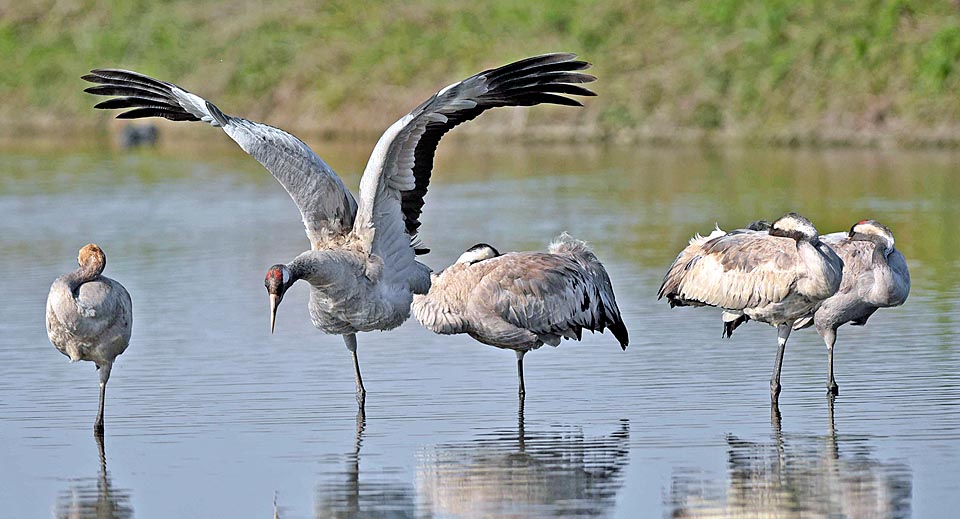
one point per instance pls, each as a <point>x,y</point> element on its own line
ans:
<point>798,476</point>
<point>352,497</point>
<point>557,471</point>
<point>94,499</point>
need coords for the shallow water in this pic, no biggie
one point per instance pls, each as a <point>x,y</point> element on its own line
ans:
<point>208,415</point>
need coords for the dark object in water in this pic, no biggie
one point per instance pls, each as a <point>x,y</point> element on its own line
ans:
<point>134,135</point>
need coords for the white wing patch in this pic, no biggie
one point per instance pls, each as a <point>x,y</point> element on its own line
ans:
<point>194,104</point>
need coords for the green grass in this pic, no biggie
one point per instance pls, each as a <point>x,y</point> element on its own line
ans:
<point>770,71</point>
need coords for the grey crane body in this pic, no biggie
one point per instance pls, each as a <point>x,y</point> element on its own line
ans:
<point>522,300</point>
<point>776,276</point>
<point>875,276</point>
<point>90,317</point>
<point>362,261</point>
<point>348,293</point>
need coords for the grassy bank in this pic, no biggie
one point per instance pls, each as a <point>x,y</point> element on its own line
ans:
<point>867,73</point>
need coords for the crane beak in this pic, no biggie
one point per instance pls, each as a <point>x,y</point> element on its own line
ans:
<point>274,301</point>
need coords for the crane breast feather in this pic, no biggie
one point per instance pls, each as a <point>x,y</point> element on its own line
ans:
<point>435,317</point>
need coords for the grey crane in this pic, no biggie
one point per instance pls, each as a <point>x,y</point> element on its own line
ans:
<point>875,275</point>
<point>522,300</point>
<point>90,317</point>
<point>361,264</point>
<point>775,276</point>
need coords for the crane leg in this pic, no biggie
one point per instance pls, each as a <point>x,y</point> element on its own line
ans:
<point>104,377</point>
<point>351,342</point>
<point>520,355</point>
<point>830,337</point>
<point>783,332</point>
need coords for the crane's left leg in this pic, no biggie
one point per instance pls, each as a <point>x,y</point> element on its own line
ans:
<point>351,341</point>
<point>783,332</point>
<point>104,377</point>
<point>830,337</point>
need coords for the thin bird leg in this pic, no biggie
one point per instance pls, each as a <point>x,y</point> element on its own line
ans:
<point>520,355</point>
<point>783,332</point>
<point>830,337</point>
<point>104,377</point>
<point>351,341</point>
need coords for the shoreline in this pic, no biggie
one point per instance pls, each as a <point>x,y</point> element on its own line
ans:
<point>106,132</point>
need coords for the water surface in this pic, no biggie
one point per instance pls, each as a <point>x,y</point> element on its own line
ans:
<point>208,415</point>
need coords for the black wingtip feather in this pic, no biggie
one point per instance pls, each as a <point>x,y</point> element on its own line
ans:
<point>620,332</point>
<point>141,113</point>
<point>128,102</point>
<point>730,326</point>
<point>535,80</point>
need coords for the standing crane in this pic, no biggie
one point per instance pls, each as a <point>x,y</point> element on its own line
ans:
<point>875,276</point>
<point>90,317</point>
<point>522,300</point>
<point>361,264</point>
<point>775,276</point>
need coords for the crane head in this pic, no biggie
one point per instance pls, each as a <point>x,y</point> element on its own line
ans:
<point>792,225</point>
<point>92,258</point>
<point>875,228</point>
<point>277,281</point>
<point>478,252</point>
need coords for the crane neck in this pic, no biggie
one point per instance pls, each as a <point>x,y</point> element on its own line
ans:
<point>318,268</point>
<point>881,245</point>
<point>795,235</point>
<point>83,274</point>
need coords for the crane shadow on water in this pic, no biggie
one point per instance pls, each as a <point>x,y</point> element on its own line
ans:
<point>350,496</point>
<point>796,475</point>
<point>94,497</point>
<point>519,473</point>
<point>552,471</point>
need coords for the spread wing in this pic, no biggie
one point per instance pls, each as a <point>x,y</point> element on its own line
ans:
<point>734,271</point>
<point>398,172</point>
<point>325,204</point>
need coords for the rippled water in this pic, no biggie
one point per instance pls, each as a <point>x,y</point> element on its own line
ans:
<point>208,415</point>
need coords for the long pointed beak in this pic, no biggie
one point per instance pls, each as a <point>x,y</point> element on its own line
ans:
<point>273,310</point>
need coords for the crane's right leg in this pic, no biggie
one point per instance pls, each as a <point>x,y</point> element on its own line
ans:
<point>104,377</point>
<point>351,341</point>
<point>520,354</point>
<point>783,332</point>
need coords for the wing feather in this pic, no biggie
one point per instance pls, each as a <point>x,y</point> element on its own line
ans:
<point>547,294</point>
<point>397,175</point>
<point>325,204</point>
<point>735,271</point>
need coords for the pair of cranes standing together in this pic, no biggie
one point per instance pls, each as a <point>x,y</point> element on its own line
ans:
<point>362,264</point>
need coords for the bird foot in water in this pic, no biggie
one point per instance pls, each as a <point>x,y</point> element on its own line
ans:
<point>833,389</point>
<point>361,397</point>
<point>98,429</point>
<point>774,393</point>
